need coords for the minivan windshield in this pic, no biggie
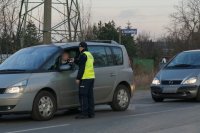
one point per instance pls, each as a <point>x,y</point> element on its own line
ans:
<point>28,59</point>
<point>189,60</point>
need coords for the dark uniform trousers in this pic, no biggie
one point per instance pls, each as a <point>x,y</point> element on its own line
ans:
<point>86,97</point>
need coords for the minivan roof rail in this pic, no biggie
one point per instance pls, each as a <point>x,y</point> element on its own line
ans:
<point>104,41</point>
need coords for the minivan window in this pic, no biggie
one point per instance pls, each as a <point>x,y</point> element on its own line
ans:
<point>99,53</point>
<point>118,55</point>
<point>28,58</point>
<point>109,56</point>
<point>186,60</point>
<point>53,63</point>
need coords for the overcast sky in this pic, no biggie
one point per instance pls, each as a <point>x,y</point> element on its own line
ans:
<point>146,15</point>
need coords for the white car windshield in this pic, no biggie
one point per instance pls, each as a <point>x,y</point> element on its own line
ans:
<point>186,60</point>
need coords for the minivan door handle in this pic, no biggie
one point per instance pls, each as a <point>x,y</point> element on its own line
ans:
<point>113,74</point>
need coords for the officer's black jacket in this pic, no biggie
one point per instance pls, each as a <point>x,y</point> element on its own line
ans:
<point>81,61</point>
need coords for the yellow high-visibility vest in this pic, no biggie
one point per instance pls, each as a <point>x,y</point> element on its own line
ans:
<point>89,66</point>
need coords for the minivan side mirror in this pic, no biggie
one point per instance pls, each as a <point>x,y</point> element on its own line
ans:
<point>65,67</point>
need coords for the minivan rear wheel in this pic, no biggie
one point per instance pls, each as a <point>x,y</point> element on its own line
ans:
<point>121,98</point>
<point>44,106</point>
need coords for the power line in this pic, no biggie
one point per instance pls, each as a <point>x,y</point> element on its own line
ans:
<point>52,28</point>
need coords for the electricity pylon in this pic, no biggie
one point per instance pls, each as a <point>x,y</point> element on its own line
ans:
<point>56,20</point>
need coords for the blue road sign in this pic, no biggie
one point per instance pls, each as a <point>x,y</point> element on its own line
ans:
<point>129,31</point>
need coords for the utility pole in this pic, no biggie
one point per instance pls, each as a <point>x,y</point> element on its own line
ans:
<point>69,25</point>
<point>22,39</point>
<point>47,21</point>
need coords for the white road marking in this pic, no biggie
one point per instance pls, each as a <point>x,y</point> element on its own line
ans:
<point>147,105</point>
<point>41,128</point>
<point>143,114</point>
<point>158,112</point>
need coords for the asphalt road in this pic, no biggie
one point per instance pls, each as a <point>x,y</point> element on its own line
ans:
<point>143,116</point>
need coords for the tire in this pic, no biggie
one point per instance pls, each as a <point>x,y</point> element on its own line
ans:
<point>121,98</point>
<point>156,99</point>
<point>44,106</point>
<point>198,96</point>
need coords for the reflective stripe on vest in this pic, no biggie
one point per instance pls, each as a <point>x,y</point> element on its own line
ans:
<point>89,66</point>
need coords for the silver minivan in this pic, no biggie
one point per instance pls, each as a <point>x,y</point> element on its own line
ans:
<point>180,78</point>
<point>33,80</point>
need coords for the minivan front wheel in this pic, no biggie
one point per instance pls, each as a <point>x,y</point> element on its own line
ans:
<point>121,98</point>
<point>44,106</point>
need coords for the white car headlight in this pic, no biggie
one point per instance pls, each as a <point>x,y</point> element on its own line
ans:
<point>156,81</point>
<point>189,81</point>
<point>17,88</point>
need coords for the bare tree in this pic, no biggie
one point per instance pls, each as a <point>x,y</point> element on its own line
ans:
<point>87,26</point>
<point>144,44</point>
<point>147,48</point>
<point>185,23</point>
<point>8,23</point>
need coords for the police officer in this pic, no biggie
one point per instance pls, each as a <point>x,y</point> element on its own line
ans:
<point>85,80</point>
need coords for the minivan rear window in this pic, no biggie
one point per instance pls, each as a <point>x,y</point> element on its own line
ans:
<point>99,53</point>
<point>106,55</point>
<point>109,56</point>
<point>118,55</point>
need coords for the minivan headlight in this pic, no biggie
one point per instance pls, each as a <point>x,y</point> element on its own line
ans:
<point>189,81</point>
<point>17,88</point>
<point>156,81</point>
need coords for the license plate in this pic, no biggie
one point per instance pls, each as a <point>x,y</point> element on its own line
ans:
<point>169,90</point>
